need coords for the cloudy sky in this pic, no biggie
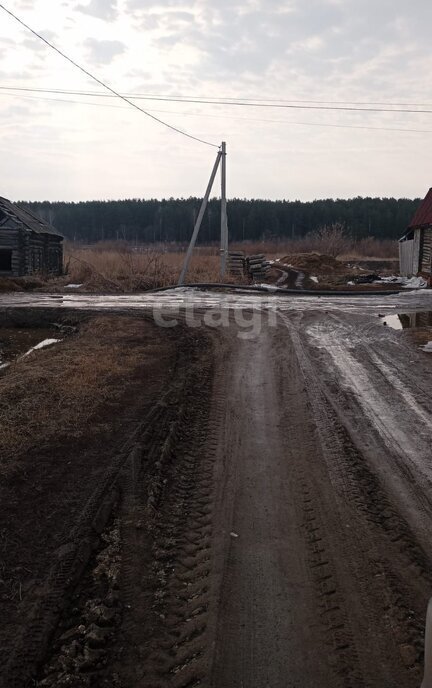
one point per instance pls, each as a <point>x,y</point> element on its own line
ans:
<point>74,147</point>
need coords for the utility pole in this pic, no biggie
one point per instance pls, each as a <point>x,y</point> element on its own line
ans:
<point>224,218</point>
<point>221,157</point>
<point>199,220</point>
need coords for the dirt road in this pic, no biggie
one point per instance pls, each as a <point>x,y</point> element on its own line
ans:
<point>328,446</point>
<point>273,521</point>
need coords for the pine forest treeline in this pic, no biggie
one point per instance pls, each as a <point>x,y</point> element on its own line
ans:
<point>171,220</point>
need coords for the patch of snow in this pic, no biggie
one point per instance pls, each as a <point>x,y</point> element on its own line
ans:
<point>42,345</point>
<point>269,287</point>
<point>73,286</point>
<point>416,283</point>
<point>300,279</point>
<point>405,282</point>
<point>351,284</point>
<point>282,278</point>
<point>4,365</point>
<point>181,290</point>
<point>315,279</point>
<point>427,347</point>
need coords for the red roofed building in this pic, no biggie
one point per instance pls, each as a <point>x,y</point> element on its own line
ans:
<point>415,247</point>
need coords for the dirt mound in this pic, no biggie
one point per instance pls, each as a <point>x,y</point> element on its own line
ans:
<point>316,263</point>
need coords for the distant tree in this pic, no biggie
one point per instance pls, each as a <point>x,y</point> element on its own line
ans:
<point>333,240</point>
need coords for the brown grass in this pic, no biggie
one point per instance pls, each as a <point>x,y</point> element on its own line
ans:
<point>120,267</point>
<point>123,269</point>
<point>359,250</point>
<point>54,393</point>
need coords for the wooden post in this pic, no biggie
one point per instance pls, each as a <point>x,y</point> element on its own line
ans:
<point>199,220</point>
<point>224,218</point>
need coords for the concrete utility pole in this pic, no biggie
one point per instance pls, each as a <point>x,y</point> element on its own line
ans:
<point>224,217</point>
<point>199,220</point>
<point>221,156</point>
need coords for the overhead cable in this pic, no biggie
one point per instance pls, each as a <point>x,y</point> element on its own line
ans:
<point>237,119</point>
<point>213,101</point>
<point>102,83</point>
<point>251,102</point>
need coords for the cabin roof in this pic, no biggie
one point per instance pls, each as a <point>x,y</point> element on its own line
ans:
<point>423,215</point>
<point>25,217</point>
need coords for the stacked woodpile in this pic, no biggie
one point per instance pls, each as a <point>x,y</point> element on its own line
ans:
<point>236,263</point>
<point>257,267</point>
<point>254,267</point>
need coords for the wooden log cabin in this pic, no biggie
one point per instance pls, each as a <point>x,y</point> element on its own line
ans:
<point>28,244</point>
<point>415,247</point>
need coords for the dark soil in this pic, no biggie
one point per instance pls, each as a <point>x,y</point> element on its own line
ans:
<point>41,502</point>
<point>269,526</point>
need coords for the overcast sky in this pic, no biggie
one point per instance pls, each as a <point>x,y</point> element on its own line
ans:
<point>306,50</point>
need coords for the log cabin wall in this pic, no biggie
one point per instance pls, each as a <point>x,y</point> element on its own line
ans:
<point>426,251</point>
<point>36,253</point>
<point>28,244</point>
<point>9,249</point>
<point>55,255</point>
<point>24,252</point>
<point>417,249</point>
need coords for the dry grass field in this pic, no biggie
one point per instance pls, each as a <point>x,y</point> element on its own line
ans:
<point>119,267</point>
<point>124,268</point>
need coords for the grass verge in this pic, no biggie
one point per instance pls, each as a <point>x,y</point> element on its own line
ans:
<point>57,392</point>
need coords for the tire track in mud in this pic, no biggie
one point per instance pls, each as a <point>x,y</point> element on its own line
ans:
<point>319,524</point>
<point>165,633</point>
<point>383,360</point>
<point>395,574</point>
<point>385,432</point>
<point>70,561</point>
<point>140,479</point>
<point>342,656</point>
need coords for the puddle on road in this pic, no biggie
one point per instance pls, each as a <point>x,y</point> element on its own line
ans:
<point>393,321</point>
<point>419,325</point>
<point>407,321</point>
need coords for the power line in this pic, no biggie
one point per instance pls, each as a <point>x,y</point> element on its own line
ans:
<point>226,100</point>
<point>70,101</point>
<point>238,119</point>
<point>207,101</point>
<point>102,83</point>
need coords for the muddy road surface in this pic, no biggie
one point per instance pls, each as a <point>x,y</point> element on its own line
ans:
<point>270,524</point>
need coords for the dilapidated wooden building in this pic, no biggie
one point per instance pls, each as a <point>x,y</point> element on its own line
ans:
<point>415,247</point>
<point>28,244</point>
